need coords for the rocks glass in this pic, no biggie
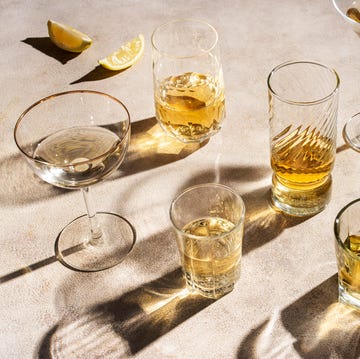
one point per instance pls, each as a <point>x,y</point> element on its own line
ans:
<point>209,221</point>
<point>347,247</point>
<point>188,79</point>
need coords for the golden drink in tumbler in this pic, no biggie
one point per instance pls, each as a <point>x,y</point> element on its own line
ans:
<point>347,247</point>
<point>208,263</point>
<point>209,221</point>
<point>303,100</point>
<point>188,79</point>
<point>190,105</point>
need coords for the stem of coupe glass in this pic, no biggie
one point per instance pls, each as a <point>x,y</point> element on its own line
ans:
<point>96,232</point>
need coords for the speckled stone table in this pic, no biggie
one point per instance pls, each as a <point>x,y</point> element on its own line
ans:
<point>285,304</point>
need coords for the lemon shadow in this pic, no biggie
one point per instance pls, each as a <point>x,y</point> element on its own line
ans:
<point>98,73</point>
<point>45,45</point>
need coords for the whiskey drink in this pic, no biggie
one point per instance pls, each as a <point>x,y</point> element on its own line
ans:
<point>211,265</point>
<point>303,103</point>
<point>302,162</point>
<point>347,247</point>
<point>303,158</point>
<point>188,79</point>
<point>78,156</point>
<point>349,271</point>
<point>209,222</point>
<point>353,14</point>
<point>191,106</point>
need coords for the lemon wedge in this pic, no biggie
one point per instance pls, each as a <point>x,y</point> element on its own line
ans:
<point>68,38</point>
<point>126,56</point>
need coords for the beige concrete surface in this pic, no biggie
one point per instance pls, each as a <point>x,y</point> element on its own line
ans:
<point>284,305</point>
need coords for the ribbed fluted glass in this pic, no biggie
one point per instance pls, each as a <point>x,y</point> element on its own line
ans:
<point>303,105</point>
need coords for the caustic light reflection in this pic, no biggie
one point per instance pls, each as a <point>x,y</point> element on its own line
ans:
<point>90,334</point>
<point>338,328</point>
<point>122,327</point>
<point>156,141</point>
<point>333,333</point>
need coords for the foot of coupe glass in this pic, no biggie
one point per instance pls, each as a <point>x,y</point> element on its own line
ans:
<point>77,249</point>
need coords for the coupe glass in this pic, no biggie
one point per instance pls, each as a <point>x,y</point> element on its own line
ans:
<point>72,140</point>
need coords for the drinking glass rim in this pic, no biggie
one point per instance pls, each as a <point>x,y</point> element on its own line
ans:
<point>345,134</point>
<point>336,229</point>
<point>343,15</point>
<point>303,103</point>
<point>194,236</point>
<point>204,52</point>
<point>55,95</point>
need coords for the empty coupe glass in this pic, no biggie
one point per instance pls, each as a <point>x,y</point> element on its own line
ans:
<point>73,140</point>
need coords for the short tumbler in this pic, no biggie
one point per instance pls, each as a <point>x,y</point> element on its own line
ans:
<point>188,79</point>
<point>303,105</point>
<point>347,246</point>
<point>209,221</point>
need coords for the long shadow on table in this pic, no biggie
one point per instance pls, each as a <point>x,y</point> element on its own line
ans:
<point>25,270</point>
<point>149,147</point>
<point>124,326</point>
<point>44,45</point>
<point>37,265</point>
<point>96,74</point>
<point>138,256</point>
<point>315,326</point>
<point>262,222</point>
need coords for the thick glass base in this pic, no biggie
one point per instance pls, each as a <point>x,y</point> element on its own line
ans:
<point>77,250</point>
<point>301,201</point>
<point>348,297</point>
<point>212,287</point>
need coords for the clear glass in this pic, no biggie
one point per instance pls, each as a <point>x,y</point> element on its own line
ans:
<point>350,12</point>
<point>73,140</point>
<point>209,222</point>
<point>351,132</point>
<point>303,106</point>
<point>347,247</point>
<point>188,79</point>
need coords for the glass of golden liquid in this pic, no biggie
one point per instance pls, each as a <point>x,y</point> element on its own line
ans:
<point>188,79</point>
<point>303,105</point>
<point>209,222</point>
<point>347,246</point>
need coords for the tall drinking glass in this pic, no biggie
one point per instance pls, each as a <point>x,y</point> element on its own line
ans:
<point>188,79</point>
<point>73,140</point>
<point>303,104</point>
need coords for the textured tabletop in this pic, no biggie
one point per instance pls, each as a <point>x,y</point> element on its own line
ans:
<point>285,303</point>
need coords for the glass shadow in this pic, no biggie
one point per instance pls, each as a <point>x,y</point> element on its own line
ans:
<point>124,326</point>
<point>315,326</point>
